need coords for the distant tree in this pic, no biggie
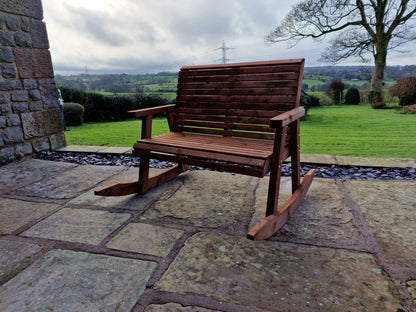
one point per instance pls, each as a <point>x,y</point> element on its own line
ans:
<point>363,26</point>
<point>336,91</point>
<point>405,90</point>
<point>352,96</point>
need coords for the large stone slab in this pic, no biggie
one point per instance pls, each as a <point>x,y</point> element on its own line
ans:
<point>175,307</point>
<point>322,216</point>
<point>375,162</point>
<point>132,202</point>
<point>77,281</point>
<point>203,199</point>
<point>17,213</point>
<point>22,173</point>
<point>146,239</point>
<point>69,183</point>
<point>82,148</point>
<point>278,276</point>
<point>12,255</point>
<point>389,208</point>
<point>78,225</point>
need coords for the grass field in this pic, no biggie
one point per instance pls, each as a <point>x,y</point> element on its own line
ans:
<point>350,130</point>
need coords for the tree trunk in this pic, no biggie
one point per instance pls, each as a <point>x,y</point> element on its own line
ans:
<point>380,65</point>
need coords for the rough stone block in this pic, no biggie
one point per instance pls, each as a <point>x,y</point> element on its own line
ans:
<point>29,84</point>
<point>2,122</point>
<point>8,71</point>
<point>6,154</point>
<point>39,35</point>
<point>41,145</point>
<point>57,140</point>
<point>24,149</point>
<point>13,120</point>
<point>20,96</point>
<point>34,95</point>
<point>32,125</point>
<point>12,135</point>
<point>6,55</point>
<point>33,63</point>
<point>4,98</point>
<point>5,109</point>
<point>35,106</point>
<point>32,8</point>
<point>49,93</point>
<point>23,39</point>
<point>25,24</point>
<point>10,85</point>
<point>52,121</point>
<point>20,107</point>
<point>7,38</point>
<point>37,124</point>
<point>77,281</point>
<point>12,23</point>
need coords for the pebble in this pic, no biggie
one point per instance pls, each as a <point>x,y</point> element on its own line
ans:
<point>322,171</point>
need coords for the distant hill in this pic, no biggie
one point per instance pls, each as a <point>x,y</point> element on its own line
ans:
<point>164,84</point>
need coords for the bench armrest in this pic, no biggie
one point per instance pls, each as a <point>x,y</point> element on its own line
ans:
<point>288,117</point>
<point>138,113</point>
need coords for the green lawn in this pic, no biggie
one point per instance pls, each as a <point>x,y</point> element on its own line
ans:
<point>350,130</point>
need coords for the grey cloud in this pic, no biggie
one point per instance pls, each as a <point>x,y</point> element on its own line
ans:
<point>97,26</point>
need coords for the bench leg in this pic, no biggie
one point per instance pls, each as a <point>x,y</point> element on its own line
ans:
<point>275,173</point>
<point>269,225</point>
<point>141,186</point>
<point>144,175</point>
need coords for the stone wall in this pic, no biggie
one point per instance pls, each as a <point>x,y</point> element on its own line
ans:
<point>30,117</point>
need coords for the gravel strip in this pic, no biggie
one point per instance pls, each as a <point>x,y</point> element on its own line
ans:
<point>322,171</point>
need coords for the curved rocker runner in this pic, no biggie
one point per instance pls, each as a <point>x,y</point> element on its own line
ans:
<point>242,118</point>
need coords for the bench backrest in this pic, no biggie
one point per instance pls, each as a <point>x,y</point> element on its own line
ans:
<point>236,100</point>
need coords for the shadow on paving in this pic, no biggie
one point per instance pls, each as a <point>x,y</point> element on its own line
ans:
<point>182,246</point>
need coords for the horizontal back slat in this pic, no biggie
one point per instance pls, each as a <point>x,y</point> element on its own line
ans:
<point>236,99</point>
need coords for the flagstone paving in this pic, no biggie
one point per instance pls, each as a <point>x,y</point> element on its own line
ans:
<point>182,246</point>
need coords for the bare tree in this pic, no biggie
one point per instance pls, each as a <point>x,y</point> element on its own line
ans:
<point>364,27</point>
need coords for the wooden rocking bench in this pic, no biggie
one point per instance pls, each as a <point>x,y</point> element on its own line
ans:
<point>242,118</point>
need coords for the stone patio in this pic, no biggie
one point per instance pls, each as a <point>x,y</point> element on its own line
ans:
<point>182,246</point>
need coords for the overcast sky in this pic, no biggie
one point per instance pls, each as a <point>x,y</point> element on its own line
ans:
<point>150,36</point>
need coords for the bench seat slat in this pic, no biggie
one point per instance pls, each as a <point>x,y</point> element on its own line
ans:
<point>224,145</point>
